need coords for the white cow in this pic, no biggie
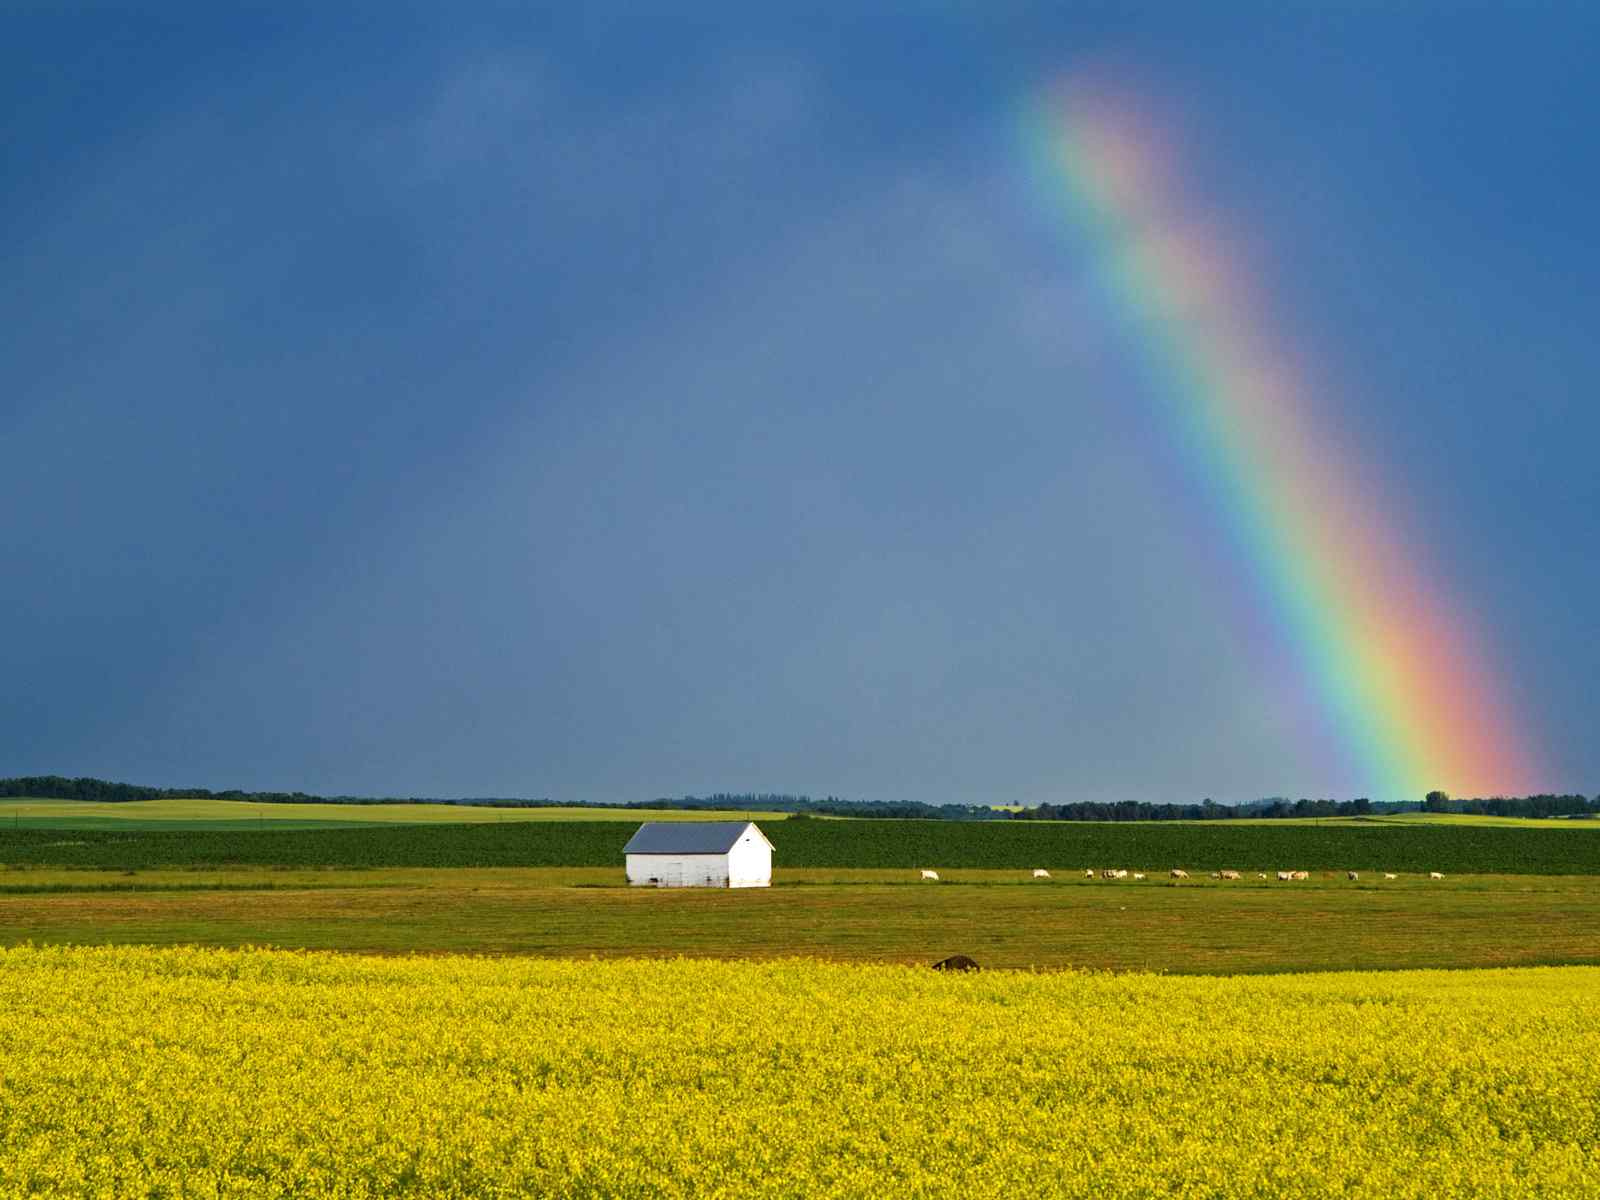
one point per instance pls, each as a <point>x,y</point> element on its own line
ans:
<point>1352,874</point>
<point>1387,875</point>
<point>1261,874</point>
<point>1302,874</point>
<point>1230,874</point>
<point>1138,874</point>
<point>1040,874</point>
<point>1089,874</point>
<point>1435,875</point>
<point>1179,873</point>
<point>934,875</point>
<point>1285,875</point>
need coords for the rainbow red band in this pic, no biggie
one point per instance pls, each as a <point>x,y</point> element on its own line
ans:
<point>1394,664</point>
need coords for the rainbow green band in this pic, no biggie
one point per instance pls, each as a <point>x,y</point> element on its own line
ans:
<point>1396,668</point>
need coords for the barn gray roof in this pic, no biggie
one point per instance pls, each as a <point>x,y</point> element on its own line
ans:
<point>686,837</point>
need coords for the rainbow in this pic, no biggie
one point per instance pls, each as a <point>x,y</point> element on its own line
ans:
<point>1397,668</point>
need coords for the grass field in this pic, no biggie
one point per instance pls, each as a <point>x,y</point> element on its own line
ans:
<point>1000,918</point>
<point>244,814</point>
<point>256,1073</point>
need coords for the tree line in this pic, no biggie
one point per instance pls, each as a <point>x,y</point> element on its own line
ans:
<point>58,787</point>
<point>1514,806</point>
<point>1206,810</point>
<point>826,806</point>
<point>1279,807</point>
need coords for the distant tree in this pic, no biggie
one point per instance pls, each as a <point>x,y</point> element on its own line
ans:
<point>1436,802</point>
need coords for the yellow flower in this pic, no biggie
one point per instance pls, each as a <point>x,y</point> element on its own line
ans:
<point>171,1072</point>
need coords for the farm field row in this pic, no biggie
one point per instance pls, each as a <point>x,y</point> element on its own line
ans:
<point>1202,847</point>
<point>455,1076</point>
<point>999,918</point>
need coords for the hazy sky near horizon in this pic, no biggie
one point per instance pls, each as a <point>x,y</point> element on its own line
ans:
<point>609,407</point>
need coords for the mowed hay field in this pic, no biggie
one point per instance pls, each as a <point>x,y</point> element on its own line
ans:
<point>1002,918</point>
<point>263,1073</point>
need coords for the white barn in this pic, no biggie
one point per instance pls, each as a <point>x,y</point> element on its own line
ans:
<point>699,854</point>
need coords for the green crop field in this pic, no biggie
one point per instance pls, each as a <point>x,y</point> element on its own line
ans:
<point>1461,848</point>
<point>245,814</point>
<point>1202,846</point>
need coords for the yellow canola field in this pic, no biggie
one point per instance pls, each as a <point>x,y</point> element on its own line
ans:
<point>133,1071</point>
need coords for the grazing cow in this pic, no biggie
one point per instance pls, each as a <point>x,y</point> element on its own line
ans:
<point>1302,874</point>
<point>1122,874</point>
<point>1216,874</point>
<point>1179,873</point>
<point>1285,875</point>
<point>1138,874</point>
<point>1230,874</point>
<point>1435,875</point>
<point>1387,875</point>
<point>1261,874</point>
<point>934,875</point>
<point>1089,874</point>
<point>1038,874</point>
<point>1352,875</point>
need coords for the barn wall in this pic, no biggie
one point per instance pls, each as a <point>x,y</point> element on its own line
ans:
<point>750,861</point>
<point>678,870</point>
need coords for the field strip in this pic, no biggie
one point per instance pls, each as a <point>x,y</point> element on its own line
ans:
<point>1193,930</point>
<point>943,845</point>
<point>320,1075</point>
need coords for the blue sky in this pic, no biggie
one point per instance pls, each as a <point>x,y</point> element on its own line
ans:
<point>606,408</point>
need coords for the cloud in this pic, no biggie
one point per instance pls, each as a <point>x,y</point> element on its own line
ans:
<point>503,429</point>
<point>839,519</point>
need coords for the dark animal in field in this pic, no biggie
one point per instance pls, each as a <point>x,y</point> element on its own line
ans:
<point>956,962</point>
